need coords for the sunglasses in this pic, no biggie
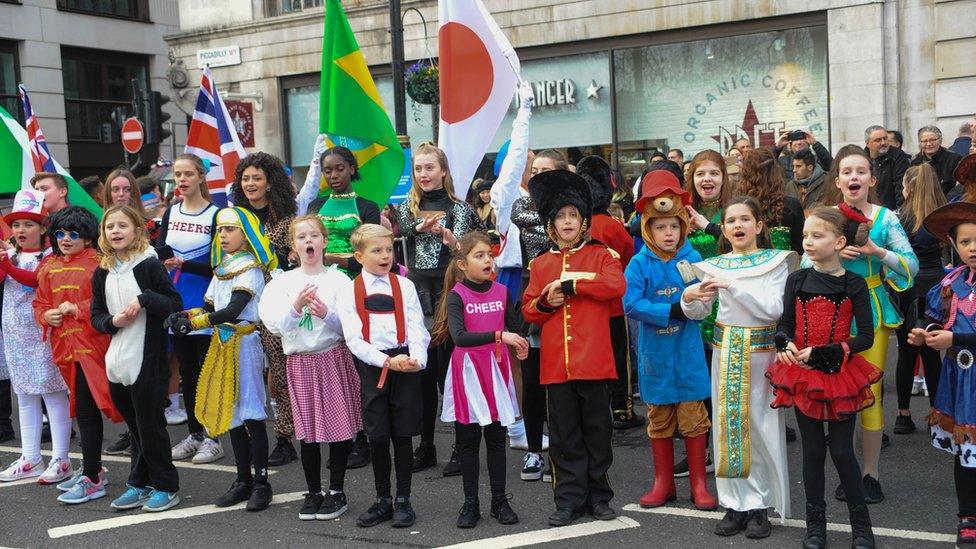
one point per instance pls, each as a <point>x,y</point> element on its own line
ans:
<point>73,235</point>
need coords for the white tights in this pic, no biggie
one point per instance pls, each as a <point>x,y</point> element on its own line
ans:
<point>30,424</point>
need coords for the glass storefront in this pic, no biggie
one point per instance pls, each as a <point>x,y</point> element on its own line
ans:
<point>706,94</point>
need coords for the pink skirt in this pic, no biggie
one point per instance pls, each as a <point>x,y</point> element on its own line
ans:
<point>324,393</point>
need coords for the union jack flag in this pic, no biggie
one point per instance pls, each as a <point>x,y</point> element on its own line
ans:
<point>40,154</point>
<point>213,137</point>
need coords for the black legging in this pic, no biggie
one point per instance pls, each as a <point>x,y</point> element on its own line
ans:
<point>190,352</point>
<point>965,478</point>
<point>89,419</point>
<point>312,464</point>
<point>250,443</point>
<point>841,453</point>
<point>912,305</point>
<point>533,401</point>
<point>469,445</point>
<point>379,448</point>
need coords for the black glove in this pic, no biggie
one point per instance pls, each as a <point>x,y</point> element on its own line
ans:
<point>171,319</point>
<point>781,340</point>
<point>827,358</point>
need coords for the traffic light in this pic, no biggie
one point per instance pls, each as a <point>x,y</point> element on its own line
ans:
<point>156,131</point>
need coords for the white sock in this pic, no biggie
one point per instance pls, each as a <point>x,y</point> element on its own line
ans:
<point>517,429</point>
<point>174,400</point>
<point>30,426</point>
<point>57,409</point>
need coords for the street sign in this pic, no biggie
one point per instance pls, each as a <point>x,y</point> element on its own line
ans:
<point>133,135</point>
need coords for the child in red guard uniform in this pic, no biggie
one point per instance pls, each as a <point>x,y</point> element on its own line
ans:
<point>571,289</point>
<point>62,306</point>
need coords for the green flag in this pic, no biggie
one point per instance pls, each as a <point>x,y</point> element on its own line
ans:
<point>18,169</point>
<point>351,112</point>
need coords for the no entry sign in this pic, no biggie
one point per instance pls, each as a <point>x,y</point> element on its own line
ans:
<point>133,135</point>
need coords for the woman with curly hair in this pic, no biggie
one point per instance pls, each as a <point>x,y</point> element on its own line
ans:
<point>762,179</point>
<point>262,186</point>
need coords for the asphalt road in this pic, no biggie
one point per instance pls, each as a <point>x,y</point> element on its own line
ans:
<point>919,510</point>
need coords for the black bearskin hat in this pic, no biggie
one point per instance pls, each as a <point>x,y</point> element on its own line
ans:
<point>597,173</point>
<point>72,218</point>
<point>552,190</point>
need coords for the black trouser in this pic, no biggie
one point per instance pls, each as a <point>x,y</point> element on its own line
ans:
<point>533,401</point>
<point>430,286</point>
<point>89,419</point>
<point>912,305</point>
<point>250,443</point>
<point>190,353</point>
<point>622,388</point>
<point>469,446</point>
<point>579,442</point>
<point>841,453</point>
<point>141,405</point>
<point>379,448</point>
<point>6,405</point>
<point>965,478</point>
<point>312,464</point>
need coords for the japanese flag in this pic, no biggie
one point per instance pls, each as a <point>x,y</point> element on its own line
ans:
<point>478,78</point>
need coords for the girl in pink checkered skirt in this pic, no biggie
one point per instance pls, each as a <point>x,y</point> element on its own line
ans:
<point>299,306</point>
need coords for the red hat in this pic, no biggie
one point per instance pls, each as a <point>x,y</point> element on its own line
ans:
<point>28,204</point>
<point>658,182</point>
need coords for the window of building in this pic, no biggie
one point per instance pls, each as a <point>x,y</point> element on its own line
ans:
<point>282,7</point>
<point>706,94</point>
<point>9,98</point>
<point>95,82</point>
<point>125,9</point>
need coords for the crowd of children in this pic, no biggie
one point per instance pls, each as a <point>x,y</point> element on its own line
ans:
<point>729,326</point>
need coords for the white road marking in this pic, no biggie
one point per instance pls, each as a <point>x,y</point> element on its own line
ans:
<point>32,480</point>
<point>794,523</point>
<point>550,534</point>
<point>125,459</point>
<point>136,517</point>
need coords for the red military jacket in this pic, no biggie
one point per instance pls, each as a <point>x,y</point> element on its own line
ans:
<point>69,278</point>
<point>575,343</point>
<point>613,233</point>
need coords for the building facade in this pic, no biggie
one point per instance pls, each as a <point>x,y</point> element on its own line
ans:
<point>622,79</point>
<point>77,59</point>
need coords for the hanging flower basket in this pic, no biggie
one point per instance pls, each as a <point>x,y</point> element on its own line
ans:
<point>423,83</point>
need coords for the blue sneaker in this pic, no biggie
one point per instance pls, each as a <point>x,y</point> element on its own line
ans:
<point>161,501</point>
<point>132,498</point>
<point>83,491</point>
<point>67,485</point>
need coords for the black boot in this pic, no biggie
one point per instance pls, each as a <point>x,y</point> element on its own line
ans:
<point>816,526</point>
<point>283,453</point>
<point>862,537</point>
<point>502,511</point>
<point>424,457</point>
<point>470,513</point>
<point>359,456</point>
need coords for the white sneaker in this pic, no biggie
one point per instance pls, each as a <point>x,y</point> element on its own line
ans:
<point>522,442</point>
<point>188,447</point>
<point>918,386</point>
<point>21,469</point>
<point>175,415</point>
<point>210,451</point>
<point>59,469</point>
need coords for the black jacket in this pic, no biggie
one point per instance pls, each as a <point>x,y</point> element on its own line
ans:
<point>823,159</point>
<point>944,161</point>
<point>890,169</point>
<point>159,298</point>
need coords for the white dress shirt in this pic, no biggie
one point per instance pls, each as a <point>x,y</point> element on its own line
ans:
<point>277,310</point>
<point>382,327</point>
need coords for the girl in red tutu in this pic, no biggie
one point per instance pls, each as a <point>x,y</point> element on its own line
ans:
<point>818,371</point>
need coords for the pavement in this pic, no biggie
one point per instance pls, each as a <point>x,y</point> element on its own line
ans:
<point>918,512</point>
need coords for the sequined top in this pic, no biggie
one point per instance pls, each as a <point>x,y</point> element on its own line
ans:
<point>426,250</point>
<point>531,228</point>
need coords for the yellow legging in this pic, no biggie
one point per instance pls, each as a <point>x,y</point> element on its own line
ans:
<point>872,418</point>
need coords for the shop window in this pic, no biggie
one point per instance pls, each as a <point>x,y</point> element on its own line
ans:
<point>125,9</point>
<point>96,82</point>
<point>282,7</point>
<point>705,94</point>
<point>9,98</point>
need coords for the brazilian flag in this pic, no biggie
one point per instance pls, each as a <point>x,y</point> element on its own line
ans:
<point>351,112</point>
